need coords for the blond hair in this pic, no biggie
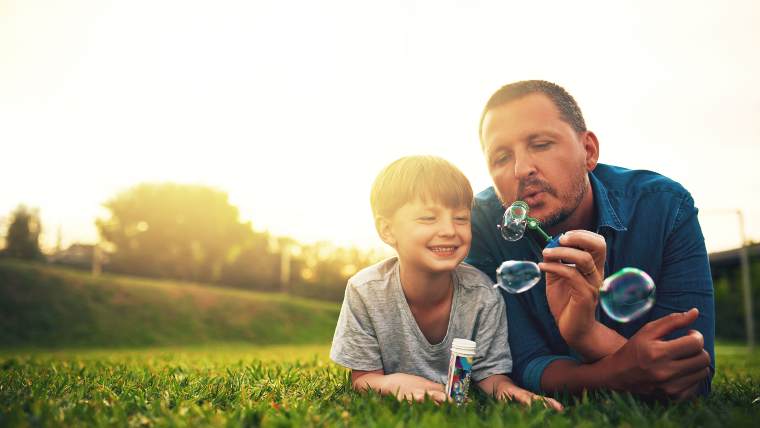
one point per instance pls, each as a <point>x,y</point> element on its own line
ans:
<point>428,178</point>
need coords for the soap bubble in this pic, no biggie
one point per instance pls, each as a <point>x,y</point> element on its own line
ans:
<point>517,276</point>
<point>627,294</point>
<point>514,222</point>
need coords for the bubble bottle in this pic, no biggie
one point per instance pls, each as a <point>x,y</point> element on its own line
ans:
<point>460,369</point>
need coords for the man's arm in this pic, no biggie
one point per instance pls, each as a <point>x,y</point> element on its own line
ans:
<point>646,364</point>
<point>401,385</point>
<point>685,281</point>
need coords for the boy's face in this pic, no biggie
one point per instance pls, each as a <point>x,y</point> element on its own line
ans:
<point>429,237</point>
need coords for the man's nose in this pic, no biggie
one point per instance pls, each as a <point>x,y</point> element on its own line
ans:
<point>524,166</point>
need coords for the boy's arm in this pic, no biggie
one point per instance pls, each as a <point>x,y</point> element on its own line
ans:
<point>501,387</point>
<point>401,385</point>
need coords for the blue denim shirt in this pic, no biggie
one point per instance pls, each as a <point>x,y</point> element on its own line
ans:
<point>648,221</point>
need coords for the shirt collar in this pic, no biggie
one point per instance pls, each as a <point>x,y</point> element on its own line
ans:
<point>606,214</point>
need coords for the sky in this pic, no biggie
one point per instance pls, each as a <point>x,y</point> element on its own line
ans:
<point>293,107</point>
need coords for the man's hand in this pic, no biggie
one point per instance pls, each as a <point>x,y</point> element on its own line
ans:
<point>402,386</point>
<point>573,291</point>
<point>646,364</point>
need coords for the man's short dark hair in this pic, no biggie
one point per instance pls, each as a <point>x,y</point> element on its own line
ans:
<point>565,103</point>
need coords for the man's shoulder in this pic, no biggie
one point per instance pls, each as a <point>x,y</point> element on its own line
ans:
<point>625,182</point>
<point>486,197</point>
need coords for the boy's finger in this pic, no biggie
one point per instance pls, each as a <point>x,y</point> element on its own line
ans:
<point>552,403</point>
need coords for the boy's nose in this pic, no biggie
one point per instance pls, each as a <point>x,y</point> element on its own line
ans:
<point>447,228</point>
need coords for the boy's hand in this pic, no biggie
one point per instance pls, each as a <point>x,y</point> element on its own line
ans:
<point>419,394</point>
<point>502,388</point>
<point>513,392</point>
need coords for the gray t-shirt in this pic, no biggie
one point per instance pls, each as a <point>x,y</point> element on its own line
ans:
<point>376,329</point>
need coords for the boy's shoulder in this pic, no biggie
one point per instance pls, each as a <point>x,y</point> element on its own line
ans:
<point>472,280</point>
<point>380,272</point>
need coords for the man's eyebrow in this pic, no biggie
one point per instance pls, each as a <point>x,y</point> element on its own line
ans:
<point>542,134</point>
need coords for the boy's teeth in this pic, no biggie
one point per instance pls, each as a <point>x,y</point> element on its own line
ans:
<point>443,249</point>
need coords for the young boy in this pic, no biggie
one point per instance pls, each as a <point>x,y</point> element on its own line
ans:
<point>400,316</point>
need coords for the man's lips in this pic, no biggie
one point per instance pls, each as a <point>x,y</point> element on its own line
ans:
<point>532,197</point>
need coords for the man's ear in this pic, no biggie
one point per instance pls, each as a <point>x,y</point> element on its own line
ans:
<point>591,146</point>
<point>383,226</point>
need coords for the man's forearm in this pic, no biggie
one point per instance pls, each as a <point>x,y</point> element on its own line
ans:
<point>601,342</point>
<point>573,377</point>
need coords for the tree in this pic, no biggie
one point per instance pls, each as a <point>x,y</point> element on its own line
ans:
<point>173,231</point>
<point>22,238</point>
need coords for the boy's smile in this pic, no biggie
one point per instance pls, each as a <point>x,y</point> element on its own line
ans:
<point>429,237</point>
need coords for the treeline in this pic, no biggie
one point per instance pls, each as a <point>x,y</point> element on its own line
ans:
<point>193,233</point>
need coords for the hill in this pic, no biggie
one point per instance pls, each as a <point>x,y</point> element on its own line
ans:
<point>42,306</point>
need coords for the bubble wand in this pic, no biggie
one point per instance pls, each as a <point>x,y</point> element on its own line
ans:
<point>516,220</point>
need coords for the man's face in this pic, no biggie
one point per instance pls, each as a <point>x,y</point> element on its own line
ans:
<point>535,156</point>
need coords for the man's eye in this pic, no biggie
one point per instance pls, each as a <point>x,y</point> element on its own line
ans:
<point>542,145</point>
<point>426,218</point>
<point>498,160</point>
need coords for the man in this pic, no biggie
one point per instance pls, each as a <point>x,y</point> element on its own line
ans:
<point>538,150</point>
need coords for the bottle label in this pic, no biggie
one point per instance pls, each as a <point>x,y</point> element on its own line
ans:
<point>460,369</point>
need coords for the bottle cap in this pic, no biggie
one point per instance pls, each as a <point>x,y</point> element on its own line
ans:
<point>463,347</point>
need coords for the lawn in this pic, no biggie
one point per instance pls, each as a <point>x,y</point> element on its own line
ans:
<point>243,385</point>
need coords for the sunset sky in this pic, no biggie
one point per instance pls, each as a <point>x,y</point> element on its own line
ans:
<point>292,107</point>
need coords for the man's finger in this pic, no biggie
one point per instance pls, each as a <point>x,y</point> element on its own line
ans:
<point>680,385</point>
<point>584,240</point>
<point>686,346</point>
<point>661,327</point>
<point>579,283</point>
<point>568,256</point>
<point>687,366</point>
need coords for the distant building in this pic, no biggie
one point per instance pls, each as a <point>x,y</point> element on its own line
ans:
<point>726,261</point>
<point>77,255</point>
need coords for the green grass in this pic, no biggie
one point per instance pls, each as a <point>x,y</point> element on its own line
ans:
<point>238,385</point>
<point>48,307</point>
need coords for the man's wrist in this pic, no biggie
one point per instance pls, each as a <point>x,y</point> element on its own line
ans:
<point>598,343</point>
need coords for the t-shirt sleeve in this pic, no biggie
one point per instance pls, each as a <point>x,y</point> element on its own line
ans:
<point>493,355</point>
<point>355,344</point>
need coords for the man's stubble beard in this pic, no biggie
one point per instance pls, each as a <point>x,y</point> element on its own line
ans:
<point>568,205</point>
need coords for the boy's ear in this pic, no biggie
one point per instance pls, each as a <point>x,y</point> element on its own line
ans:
<point>383,226</point>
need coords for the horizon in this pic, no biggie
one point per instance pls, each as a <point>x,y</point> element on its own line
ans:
<point>292,107</point>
